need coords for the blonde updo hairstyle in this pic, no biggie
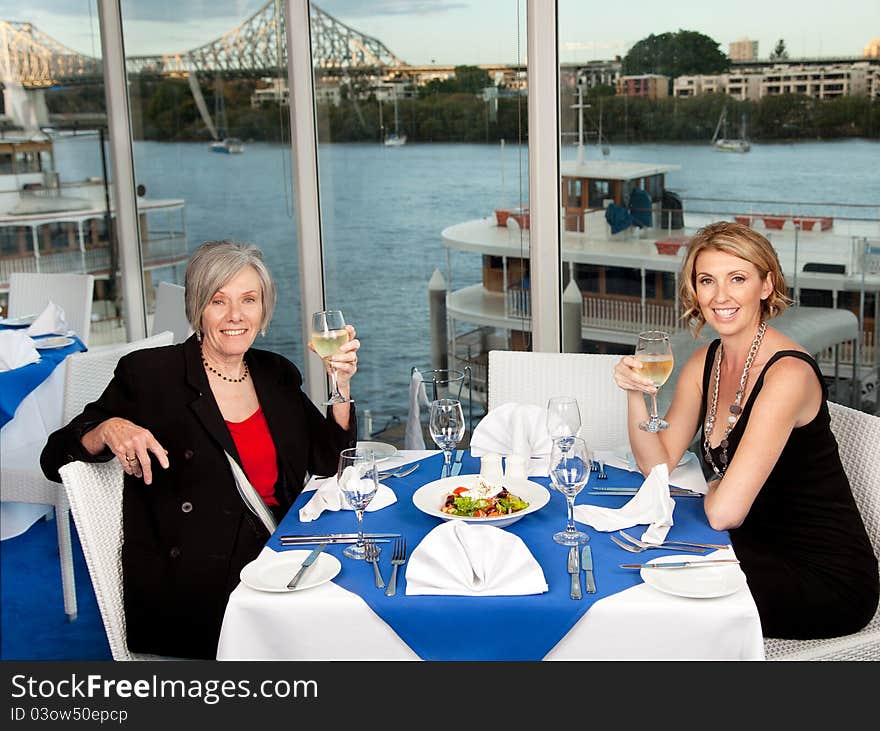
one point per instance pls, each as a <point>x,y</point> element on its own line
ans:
<point>737,240</point>
<point>212,265</point>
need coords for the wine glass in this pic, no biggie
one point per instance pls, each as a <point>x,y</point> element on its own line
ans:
<point>328,337</point>
<point>569,472</point>
<point>563,417</point>
<point>446,426</point>
<point>655,353</point>
<point>358,479</point>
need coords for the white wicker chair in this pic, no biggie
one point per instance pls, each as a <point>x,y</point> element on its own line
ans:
<point>95,494</point>
<point>22,480</point>
<point>170,312</point>
<point>30,292</point>
<point>532,378</point>
<point>858,438</point>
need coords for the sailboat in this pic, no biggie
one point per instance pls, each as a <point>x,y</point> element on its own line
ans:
<point>395,139</point>
<point>726,144</point>
<point>221,143</point>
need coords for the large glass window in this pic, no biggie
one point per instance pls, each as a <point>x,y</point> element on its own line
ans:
<point>211,137</point>
<point>670,129</point>
<point>424,191</point>
<point>53,165</point>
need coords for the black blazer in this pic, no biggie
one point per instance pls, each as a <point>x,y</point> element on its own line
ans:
<point>188,534</point>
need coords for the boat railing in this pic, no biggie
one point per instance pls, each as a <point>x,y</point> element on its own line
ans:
<point>633,316</point>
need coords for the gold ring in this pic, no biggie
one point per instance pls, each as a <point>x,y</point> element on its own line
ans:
<point>131,459</point>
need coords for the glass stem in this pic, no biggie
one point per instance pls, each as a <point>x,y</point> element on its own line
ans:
<point>360,521</point>
<point>333,380</point>
<point>447,462</point>
<point>570,527</point>
<point>654,406</point>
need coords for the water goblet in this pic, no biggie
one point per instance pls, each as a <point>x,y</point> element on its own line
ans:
<point>569,472</point>
<point>563,417</point>
<point>446,426</point>
<point>328,336</point>
<point>655,353</point>
<point>358,479</point>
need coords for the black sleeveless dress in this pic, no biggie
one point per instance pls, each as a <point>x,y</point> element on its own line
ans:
<point>803,546</point>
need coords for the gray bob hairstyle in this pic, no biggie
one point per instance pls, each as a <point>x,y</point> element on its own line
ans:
<point>212,265</point>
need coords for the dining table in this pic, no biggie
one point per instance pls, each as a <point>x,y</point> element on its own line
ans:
<point>346,617</point>
<point>31,399</point>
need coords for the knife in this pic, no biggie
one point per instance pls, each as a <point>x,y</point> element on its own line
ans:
<point>456,466</point>
<point>318,537</point>
<point>310,559</point>
<point>587,565</point>
<point>677,564</point>
<point>328,541</point>
<point>575,571</point>
<point>630,493</point>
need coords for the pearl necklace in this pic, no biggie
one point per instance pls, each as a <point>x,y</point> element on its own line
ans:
<point>735,407</point>
<point>220,375</point>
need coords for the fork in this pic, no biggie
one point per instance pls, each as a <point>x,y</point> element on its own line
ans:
<point>398,558</point>
<point>399,471</point>
<point>632,548</point>
<point>637,542</point>
<point>371,554</point>
<point>601,475</point>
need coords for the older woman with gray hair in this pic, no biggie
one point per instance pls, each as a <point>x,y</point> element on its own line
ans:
<point>199,428</point>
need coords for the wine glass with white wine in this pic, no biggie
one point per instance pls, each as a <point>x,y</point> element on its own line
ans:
<point>655,353</point>
<point>328,336</point>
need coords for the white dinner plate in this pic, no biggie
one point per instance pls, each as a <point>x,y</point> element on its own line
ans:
<point>430,498</point>
<point>628,457</point>
<point>273,573</point>
<point>22,321</point>
<point>381,450</point>
<point>52,343</point>
<point>696,583</point>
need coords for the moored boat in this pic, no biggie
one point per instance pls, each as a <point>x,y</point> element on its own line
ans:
<point>228,145</point>
<point>49,224</point>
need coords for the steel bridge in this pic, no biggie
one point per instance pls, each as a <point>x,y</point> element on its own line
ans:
<point>258,46</point>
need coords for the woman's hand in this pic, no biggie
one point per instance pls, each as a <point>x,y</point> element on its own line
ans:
<point>627,375</point>
<point>345,361</point>
<point>130,443</point>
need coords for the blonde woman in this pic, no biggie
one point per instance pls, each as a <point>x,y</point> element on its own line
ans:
<point>758,403</point>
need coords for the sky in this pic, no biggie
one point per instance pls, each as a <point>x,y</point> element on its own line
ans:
<point>478,31</point>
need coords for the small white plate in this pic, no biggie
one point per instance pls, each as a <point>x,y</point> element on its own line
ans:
<point>52,343</point>
<point>695,582</point>
<point>22,321</point>
<point>430,498</point>
<point>381,450</point>
<point>273,573</point>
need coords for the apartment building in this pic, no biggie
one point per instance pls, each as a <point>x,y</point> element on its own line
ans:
<point>651,86</point>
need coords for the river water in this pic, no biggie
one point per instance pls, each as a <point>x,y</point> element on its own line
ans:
<point>383,210</point>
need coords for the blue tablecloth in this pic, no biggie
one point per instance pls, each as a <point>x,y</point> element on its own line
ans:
<point>496,627</point>
<point>16,384</point>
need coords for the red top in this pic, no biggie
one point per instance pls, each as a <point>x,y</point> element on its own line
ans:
<point>257,451</point>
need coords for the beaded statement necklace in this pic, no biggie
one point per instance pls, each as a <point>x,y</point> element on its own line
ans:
<point>220,375</point>
<point>735,407</point>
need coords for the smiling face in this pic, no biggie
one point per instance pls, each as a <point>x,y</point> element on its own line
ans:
<point>730,291</point>
<point>231,320</point>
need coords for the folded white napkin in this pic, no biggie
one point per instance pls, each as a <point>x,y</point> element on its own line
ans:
<point>651,504</point>
<point>515,429</point>
<point>328,496</point>
<point>413,437</point>
<point>51,321</point>
<point>16,350</point>
<point>473,560</point>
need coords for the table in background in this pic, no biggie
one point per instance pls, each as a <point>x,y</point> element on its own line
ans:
<point>36,417</point>
<point>330,622</point>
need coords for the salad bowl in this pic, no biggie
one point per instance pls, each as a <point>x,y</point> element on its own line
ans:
<point>431,497</point>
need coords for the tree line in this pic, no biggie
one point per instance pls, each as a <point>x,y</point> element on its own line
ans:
<point>164,109</point>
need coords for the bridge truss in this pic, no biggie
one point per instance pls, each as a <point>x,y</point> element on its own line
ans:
<point>256,47</point>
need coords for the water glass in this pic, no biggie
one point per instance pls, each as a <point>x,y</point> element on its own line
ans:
<point>569,472</point>
<point>563,417</point>
<point>446,427</point>
<point>358,479</point>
